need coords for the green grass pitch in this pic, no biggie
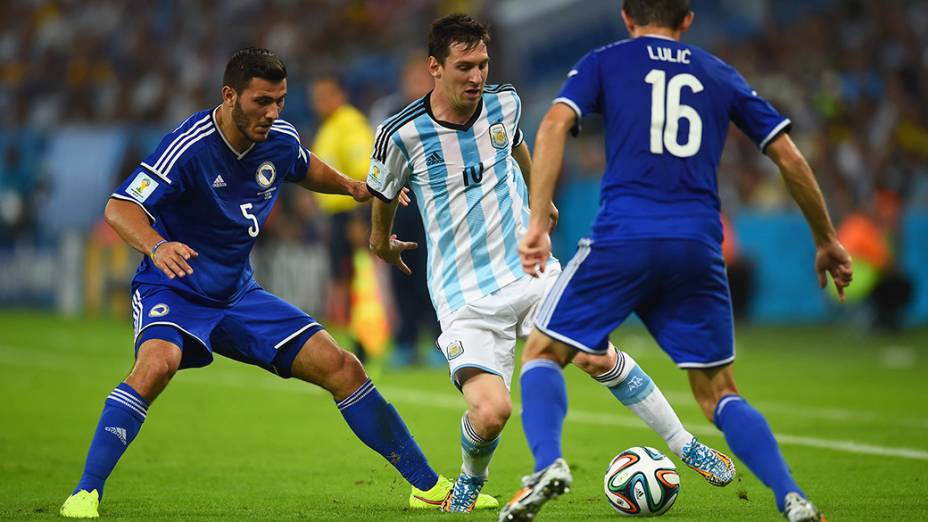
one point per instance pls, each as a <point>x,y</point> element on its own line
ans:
<point>233,442</point>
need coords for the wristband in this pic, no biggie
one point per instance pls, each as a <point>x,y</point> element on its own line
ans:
<point>157,246</point>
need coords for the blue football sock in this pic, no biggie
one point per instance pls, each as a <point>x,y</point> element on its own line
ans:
<point>123,414</point>
<point>544,406</point>
<point>378,425</point>
<point>751,440</point>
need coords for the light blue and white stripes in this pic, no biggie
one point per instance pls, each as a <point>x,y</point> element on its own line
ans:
<point>471,194</point>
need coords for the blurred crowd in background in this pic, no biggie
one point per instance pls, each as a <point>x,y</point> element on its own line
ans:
<point>852,76</point>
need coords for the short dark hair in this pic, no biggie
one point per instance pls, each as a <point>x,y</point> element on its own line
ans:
<point>455,28</point>
<point>664,13</point>
<point>253,62</point>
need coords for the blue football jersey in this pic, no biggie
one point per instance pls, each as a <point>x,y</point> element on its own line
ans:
<point>198,190</point>
<point>666,108</point>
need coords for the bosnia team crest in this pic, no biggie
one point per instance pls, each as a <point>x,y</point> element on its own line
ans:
<point>159,310</point>
<point>498,136</point>
<point>266,174</point>
<point>455,349</point>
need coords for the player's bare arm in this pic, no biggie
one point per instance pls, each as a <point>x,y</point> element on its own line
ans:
<point>524,158</point>
<point>535,247</point>
<point>382,242</point>
<point>321,177</point>
<point>133,226</point>
<point>830,255</point>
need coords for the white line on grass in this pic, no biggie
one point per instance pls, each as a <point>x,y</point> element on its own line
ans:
<point>605,419</point>
<point>448,401</point>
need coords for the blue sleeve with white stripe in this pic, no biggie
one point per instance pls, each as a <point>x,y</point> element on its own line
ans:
<point>582,90</point>
<point>300,166</point>
<point>160,177</point>
<point>297,171</point>
<point>753,114</point>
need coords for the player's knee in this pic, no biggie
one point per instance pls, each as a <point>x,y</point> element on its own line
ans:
<point>347,376</point>
<point>537,346</point>
<point>490,417</point>
<point>154,368</point>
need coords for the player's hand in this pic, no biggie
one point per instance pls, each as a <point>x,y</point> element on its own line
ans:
<point>554,215</point>
<point>831,257</point>
<point>403,197</point>
<point>392,252</point>
<point>359,191</point>
<point>535,249</point>
<point>172,258</point>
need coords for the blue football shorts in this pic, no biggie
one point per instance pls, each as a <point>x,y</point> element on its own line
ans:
<point>677,287</point>
<point>260,328</point>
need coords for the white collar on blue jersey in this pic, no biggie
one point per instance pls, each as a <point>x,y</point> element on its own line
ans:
<point>238,155</point>
<point>662,37</point>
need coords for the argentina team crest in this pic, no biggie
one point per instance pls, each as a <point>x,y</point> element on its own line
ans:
<point>498,136</point>
<point>266,174</point>
<point>455,349</point>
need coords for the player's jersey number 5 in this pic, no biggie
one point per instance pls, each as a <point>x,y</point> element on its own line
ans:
<point>667,111</point>
<point>254,229</point>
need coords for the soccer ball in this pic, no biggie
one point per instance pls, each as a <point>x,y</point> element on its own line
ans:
<point>641,481</point>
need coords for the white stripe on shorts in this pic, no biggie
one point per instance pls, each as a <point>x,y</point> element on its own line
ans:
<point>550,302</point>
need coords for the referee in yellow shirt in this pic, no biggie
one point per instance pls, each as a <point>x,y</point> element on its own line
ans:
<point>344,141</point>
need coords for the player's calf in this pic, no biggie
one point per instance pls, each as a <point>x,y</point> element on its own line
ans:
<point>322,362</point>
<point>156,364</point>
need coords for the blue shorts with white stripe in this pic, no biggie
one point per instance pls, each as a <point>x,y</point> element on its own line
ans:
<point>260,328</point>
<point>678,287</point>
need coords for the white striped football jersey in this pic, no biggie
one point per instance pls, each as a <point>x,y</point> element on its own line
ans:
<point>469,189</point>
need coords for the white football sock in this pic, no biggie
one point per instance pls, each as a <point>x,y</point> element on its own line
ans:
<point>628,382</point>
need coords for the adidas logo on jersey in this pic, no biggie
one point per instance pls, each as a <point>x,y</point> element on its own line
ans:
<point>219,182</point>
<point>433,159</point>
<point>119,432</point>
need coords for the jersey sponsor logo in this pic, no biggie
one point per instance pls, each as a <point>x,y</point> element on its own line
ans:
<point>455,349</point>
<point>434,159</point>
<point>219,182</point>
<point>142,187</point>
<point>119,432</point>
<point>266,174</point>
<point>159,310</point>
<point>498,136</point>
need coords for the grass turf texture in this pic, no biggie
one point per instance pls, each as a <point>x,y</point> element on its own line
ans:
<point>233,442</point>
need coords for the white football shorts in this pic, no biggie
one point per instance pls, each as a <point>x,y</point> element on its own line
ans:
<point>483,333</point>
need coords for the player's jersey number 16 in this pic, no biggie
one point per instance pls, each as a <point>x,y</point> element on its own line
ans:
<point>667,111</point>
